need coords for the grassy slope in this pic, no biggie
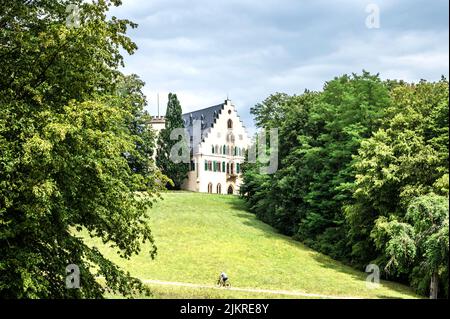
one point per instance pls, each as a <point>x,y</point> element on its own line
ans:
<point>199,235</point>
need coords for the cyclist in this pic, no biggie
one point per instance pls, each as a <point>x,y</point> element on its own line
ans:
<point>222,278</point>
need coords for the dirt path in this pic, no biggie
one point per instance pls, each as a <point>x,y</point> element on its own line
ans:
<point>267,291</point>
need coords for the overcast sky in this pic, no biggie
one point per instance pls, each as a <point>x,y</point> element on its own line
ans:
<point>248,49</point>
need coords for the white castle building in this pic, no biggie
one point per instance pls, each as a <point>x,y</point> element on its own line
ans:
<point>216,161</point>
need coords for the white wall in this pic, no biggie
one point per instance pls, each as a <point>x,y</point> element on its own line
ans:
<point>199,179</point>
<point>218,136</point>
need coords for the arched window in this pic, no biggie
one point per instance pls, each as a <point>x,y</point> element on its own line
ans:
<point>230,123</point>
<point>230,137</point>
<point>224,150</point>
<point>228,150</point>
<point>238,168</point>
<point>219,189</point>
<point>212,149</point>
<point>230,190</point>
<point>210,186</point>
<point>232,168</point>
<point>216,149</point>
<point>228,168</point>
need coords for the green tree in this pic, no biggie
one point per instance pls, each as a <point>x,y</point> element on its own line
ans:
<point>176,171</point>
<point>65,143</point>
<point>360,150</point>
<point>421,240</point>
<point>130,96</point>
<point>406,158</point>
<point>269,113</point>
<point>319,133</point>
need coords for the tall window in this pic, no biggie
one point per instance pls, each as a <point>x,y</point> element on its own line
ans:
<point>230,123</point>
<point>212,149</point>
<point>219,189</point>
<point>216,149</point>
<point>210,188</point>
<point>223,166</point>
<point>238,168</point>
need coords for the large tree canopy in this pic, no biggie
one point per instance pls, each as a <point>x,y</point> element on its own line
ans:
<point>71,152</point>
<point>354,156</point>
<point>420,240</point>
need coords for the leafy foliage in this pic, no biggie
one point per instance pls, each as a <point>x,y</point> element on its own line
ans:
<point>177,172</point>
<point>359,150</point>
<point>71,153</point>
<point>421,241</point>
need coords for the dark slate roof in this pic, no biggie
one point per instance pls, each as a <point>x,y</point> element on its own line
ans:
<point>208,117</point>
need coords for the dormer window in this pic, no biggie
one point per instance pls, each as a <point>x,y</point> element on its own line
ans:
<point>230,124</point>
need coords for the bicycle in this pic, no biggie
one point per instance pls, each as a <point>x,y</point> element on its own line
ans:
<point>222,283</point>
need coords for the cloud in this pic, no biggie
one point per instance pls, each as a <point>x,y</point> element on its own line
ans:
<point>247,49</point>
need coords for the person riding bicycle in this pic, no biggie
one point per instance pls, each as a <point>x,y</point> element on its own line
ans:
<point>223,278</point>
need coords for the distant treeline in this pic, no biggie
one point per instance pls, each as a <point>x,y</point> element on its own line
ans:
<point>362,175</point>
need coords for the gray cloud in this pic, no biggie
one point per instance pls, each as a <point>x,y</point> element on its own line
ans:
<point>248,49</point>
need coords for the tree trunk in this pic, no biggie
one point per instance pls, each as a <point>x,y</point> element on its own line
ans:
<point>434,286</point>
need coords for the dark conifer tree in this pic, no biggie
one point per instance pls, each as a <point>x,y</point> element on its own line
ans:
<point>176,171</point>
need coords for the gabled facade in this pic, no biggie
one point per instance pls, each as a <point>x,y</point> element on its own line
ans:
<point>217,158</point>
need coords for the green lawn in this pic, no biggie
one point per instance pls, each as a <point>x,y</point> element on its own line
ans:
<point>199,235</point>
<point>170,292</point>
